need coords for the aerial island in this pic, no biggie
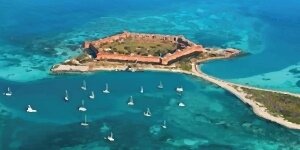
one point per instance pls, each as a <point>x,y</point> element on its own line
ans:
<point>133,52</point>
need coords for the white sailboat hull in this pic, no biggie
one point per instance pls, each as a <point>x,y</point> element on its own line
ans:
<point>130,103</point>
<point>30,110</point>
<point>181,104</point>
<point>179,89</point>
<point>7,94</point>
<point>106,91</point>
<point>84,124</point>
<point>147,114</point>
<point>111,139</point>
<point>82,109</point>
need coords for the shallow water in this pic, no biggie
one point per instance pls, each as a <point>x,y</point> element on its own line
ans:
<point>212,118</point>
<point>37,34</point>
<point>30,42</point>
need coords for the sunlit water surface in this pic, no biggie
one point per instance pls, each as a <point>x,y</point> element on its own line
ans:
<point>37,34</point>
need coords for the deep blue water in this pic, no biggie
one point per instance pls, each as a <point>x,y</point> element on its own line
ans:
<point>34,35</point>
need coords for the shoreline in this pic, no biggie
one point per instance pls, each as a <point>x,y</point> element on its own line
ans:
<point>257,108</point>
<point>233,88</point>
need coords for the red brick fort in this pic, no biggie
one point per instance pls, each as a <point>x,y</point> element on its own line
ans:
<point>186,48</point>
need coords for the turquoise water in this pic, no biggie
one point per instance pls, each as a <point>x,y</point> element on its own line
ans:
<point>212,118</point>
<point>37,34</point>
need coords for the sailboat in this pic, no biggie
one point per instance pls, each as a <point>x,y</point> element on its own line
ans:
<point>179,89</point>
<point>181,104</point>
<point>82,108</point>
<point>67,96</point>
<point>160,86</point>
<point>30,110</point>
<point>106,91</point>
<point>130,103</point>
<point>8,93</point>
<point>83,87</point>
<point>142,90</point>
<point>92,96</point>
<point>85,122</point>
<point>148,113</point>
<point>164,125</point>
<point>110,137</point>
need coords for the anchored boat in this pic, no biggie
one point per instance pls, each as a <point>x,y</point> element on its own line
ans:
<point>160,86</point>
<point>8,92</point>
<point>147,113</point>
<point>85,122</point>
<point>82,108</point>
<point>92,96</point>
<point>142,90</point>
<point>130,103</point>
<point>66,96</point>
<point>30,109</point>
<point>179,89</point>
<point>106,91</point>
<point>83,87</point>
<point>164,125</point>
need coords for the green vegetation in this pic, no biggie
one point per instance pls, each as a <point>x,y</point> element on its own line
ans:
<point>81,59</point>
<point>284,105</point>
<point>186,63</point>
<point>185,66</point>
<point>141,47</point>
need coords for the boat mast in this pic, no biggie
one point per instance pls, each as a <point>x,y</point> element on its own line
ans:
<point>67,94</point>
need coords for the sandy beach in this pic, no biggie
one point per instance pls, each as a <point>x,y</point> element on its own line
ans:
<point>258,108</point>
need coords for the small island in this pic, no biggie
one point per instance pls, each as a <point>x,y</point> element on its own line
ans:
<point>137,52</point>
<point>155,52</point>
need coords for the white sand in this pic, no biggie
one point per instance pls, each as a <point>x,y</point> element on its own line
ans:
<point>258,108</point>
